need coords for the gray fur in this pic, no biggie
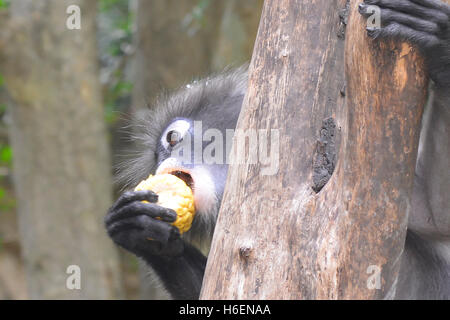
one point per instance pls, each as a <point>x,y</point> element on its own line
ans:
<point>213,93</point>
<point>425,267</point>
<point>221,97</point>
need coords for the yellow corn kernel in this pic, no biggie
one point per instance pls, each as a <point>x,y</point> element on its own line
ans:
<point>173,193</point>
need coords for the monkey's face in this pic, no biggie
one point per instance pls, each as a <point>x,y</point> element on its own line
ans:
<point>192,151</point>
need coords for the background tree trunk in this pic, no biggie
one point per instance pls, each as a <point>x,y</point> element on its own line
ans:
<point>237,35</point>
<point>174,44</point>
<point>12,279</point>
<point>61,160</point>
<point>275,237</point>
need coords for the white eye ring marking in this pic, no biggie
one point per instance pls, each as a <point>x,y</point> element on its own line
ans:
<point>180,126</point>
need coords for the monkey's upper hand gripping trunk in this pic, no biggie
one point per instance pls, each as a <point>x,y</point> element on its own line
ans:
<point>423,23</point>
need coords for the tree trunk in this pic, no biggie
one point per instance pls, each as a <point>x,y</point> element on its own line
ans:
<point>237,33</point>
<point>276,238</point>
<point>173,45</point>
<point>61,158</point>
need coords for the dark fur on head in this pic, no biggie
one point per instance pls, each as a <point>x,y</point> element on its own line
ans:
<point>207,96</point>
<point>148,125</point>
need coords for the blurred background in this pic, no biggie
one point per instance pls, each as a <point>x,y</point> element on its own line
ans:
<point>65,97</point>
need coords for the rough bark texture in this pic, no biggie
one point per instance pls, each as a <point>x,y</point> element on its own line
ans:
<point>276,238</point>
<point>61,160</point>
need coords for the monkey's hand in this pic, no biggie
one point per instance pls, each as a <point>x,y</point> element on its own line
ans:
<point>143,228</point>
<point>424,23</point>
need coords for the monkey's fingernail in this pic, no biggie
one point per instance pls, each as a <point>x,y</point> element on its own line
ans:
<point>362,8</point>
<point>170,216</point>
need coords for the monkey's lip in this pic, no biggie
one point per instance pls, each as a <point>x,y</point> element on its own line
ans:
<point>183,174</point>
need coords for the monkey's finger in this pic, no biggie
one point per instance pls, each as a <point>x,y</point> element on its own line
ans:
<point>173,246</point>
<point>132,238</point>
<point>434,4</point>
<point>389,16</point>
<point>399,31</point>
<point>138,208</point>
<point>410,7</point>
<point>130,196</point>
<point>146,227</point>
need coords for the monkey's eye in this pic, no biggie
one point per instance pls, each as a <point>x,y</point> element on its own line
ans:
<point>173,137</point>
<point>175,133</point>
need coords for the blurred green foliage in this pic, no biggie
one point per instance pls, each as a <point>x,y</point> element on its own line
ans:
<point>5,155</point>
<point>116,92</point>
<point>195,19</point>
<point>106,5</point>
<point>122,22</point>
<point>116,31</point>
<point>5,149</point>
<point>2,105</point>
<point>7,201</point>
<point>4,4</point>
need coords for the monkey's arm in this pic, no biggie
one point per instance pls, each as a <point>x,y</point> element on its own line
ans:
<point>426,24</point>
<point>144,229</point>
<point>182,276</point>
<point>431,201</point>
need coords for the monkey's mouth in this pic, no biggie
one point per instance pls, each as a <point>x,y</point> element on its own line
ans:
<point>183,175</point>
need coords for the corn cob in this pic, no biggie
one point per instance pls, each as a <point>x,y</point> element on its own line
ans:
<point>173,193</point>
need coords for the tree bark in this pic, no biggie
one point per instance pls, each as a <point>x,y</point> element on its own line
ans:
<point>61,159</point>
<point>276,238</point>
